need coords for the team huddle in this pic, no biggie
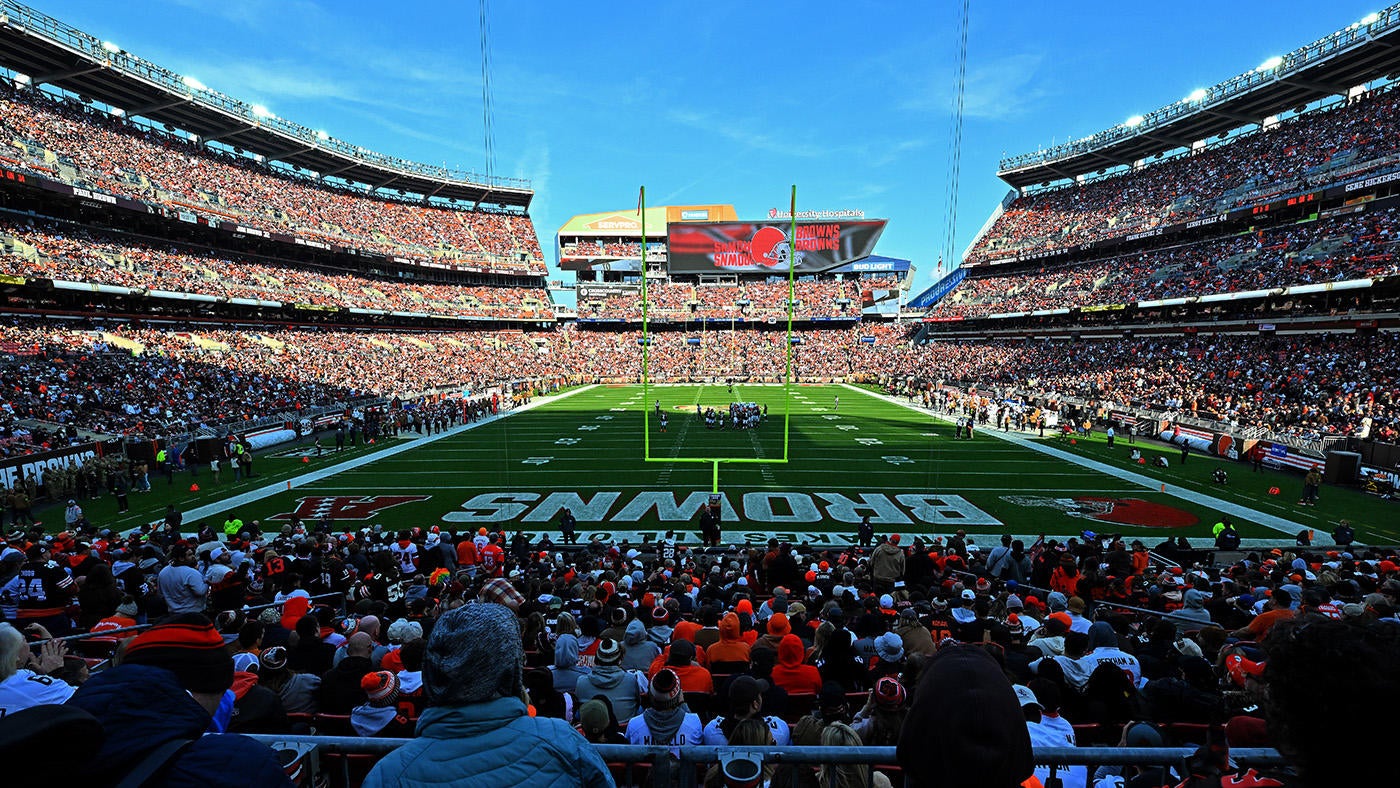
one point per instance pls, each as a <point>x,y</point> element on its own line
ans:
<point>740,416</point>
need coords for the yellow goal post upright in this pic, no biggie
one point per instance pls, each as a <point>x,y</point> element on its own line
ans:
<point>788,374</point>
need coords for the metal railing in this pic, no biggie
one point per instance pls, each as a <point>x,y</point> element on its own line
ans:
<point>682,770</point>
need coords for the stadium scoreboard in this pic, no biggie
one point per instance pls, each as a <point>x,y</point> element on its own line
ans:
<point>764,247</point>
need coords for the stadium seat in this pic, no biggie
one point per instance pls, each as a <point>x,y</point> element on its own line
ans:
<point>100,647</point>
<point>800,704</point>
<point>701,703</point>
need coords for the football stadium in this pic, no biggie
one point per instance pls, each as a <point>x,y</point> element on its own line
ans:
<point>321,469</point>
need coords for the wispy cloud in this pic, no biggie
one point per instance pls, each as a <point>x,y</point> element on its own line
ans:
<point>745,133</point>
<point>865,192</point>
<point>1001,88</point>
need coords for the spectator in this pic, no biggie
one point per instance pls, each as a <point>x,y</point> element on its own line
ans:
<point>965,727</point>
<point>476,728</point>
<point>171,682</point>
<point>669,721</point>
<point>623,689</point>
<point>24,680</point>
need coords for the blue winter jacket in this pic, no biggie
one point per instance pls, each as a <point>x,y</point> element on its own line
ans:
<point>495,743</point>
<point>142,707</point>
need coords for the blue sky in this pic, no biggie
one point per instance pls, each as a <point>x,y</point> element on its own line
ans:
<point>717,101</point>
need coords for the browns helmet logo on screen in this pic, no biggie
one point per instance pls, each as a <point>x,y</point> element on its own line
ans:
<point>769,246</point>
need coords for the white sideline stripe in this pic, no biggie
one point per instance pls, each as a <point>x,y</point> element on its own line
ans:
<point>759,487</point>
<point>1269,521</point>
<point>252,496</point>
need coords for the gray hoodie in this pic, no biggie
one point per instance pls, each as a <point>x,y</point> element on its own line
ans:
<point>566,669</point>
<point>639,651</point>
<point>1193,614</point>
<point>620,687</point>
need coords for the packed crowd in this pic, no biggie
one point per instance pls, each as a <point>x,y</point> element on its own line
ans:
<point>684,301</point>
<point>143,381</point>
<point>504,656</point>
<point>1300,153</point>
<point>52,251</point>
<point>1305,386</point>
<point>119,157</point>
<point>1348,247</point>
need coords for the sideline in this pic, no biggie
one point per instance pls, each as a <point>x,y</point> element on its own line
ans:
<point>267,491</point>
<point>1272,522</point>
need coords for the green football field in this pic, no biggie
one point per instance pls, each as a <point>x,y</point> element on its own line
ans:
<point>871,455</point>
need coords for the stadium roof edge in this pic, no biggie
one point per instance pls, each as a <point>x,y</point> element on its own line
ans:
<point>1354,55</point>
<point>51,52</point>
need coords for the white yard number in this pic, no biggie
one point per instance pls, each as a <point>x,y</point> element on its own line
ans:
<point>566,441</point>
<point>588,427</point>
<point>847,427</point>
<point>619,410</point>
<point>896,459</point>
<point>831,417</point>
<point>929,434</point>
<point>604,418</point>
<point>869,441</point>
<point>536,461</point>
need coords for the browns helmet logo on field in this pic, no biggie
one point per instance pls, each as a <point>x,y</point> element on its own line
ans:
<point>1123,511</point>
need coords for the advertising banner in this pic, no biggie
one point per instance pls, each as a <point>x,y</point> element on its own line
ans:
<point>764,247</point>
<point>14,470</point>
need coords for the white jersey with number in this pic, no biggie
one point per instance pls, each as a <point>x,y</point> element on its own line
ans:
<point>27,688</point>
<point>407,557</point>
<point>714,737</point>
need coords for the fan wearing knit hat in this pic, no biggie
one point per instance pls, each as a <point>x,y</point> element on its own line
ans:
<point>380,715</point>
<point>669,720</point>
<point>622,688</point>
<point>476,731</point>
<point>167,688</point>
<point>879,723</point>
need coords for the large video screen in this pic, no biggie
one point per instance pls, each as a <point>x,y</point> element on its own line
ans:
<point>764,247</point>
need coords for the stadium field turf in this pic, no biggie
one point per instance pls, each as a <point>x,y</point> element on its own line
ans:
<point>870,455</point>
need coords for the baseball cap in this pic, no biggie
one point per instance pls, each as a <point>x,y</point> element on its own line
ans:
<point>1024,696</point>
<point>969,594</point>
<point>743,691</point>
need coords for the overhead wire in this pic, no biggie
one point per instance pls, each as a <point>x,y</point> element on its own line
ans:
<point>489,141</point>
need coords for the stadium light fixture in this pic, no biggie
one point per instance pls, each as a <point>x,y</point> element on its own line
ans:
<point>322,136</point>
<point>1199,94</point>
<point>261,111</point>
<point>193,84</point>
<point>1371,18</point>
<point>110,47</point>
<point>1134,121</point>
<point>1271,64</point>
